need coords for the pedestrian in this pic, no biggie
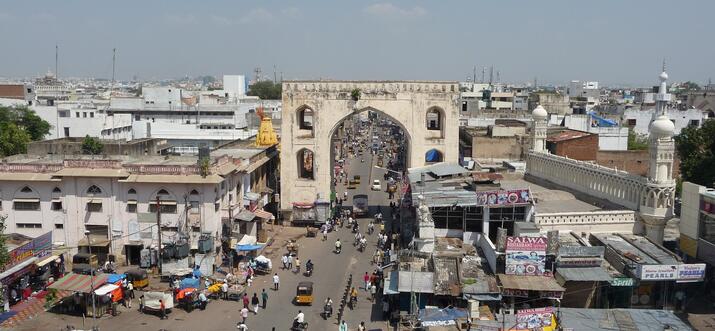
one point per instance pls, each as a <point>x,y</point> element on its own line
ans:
<point>276,282</point>
<point>297,264</point>
<point>141,304</point>
<point>325,234</point>
<point>242,326</point>
<point>162,307</point>
<point>373,291</point>
<point>385,309</point>
<point>361,327</point>
<point>245,300</point>
<point>130,289</point>
<point>284,259</point>
<point>249,281</point>
<point>366,278</point>
<point>224,290</point>
<point>128,300</point>
<point>264,297</point>
<point>254,303</point>
<point>290,262</point>
<point>343,326</point>
<point>244,314</point>
<point>207,283</point>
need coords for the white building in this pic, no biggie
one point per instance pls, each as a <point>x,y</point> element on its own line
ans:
<point>610,138</point>
<point>639,119</point>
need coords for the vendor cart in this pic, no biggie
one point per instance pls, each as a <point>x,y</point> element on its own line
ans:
<point>292,247</point>
<point>311,232</point>
<point>262,265</point>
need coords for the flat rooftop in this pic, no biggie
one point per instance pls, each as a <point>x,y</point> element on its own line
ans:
<point>637,248</point>
<point>552,199</point>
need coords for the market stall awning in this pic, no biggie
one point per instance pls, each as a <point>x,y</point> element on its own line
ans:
<point>246,248</point>
<point>530,283</point>
<point>79,283</point>
<point>390,286</point>
<point>17,267</point>
<point>245,215</point>
<point>107,288</point>
<point>303,204</point>
<point>46,260</point>
<point>264,214</point>
<point>588,274</point>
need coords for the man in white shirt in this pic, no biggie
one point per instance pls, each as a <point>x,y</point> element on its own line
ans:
<point>300,318</point>
<point>276,282</point>
<point>284,259</point>
<point>224,290</point>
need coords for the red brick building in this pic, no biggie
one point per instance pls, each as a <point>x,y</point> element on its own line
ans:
<point>577,145</point>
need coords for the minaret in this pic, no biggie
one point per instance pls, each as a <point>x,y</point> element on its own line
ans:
<point>656,206</point>
<point>538,130</point>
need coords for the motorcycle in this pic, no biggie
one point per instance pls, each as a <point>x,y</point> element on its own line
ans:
<point>327,311</point>
<point>299,326</point>
<point>308,271</point>
<point>338,248</point>
<point>361,247</point>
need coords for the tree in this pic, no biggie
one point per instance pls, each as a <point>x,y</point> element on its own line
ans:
<point>34,125</point>
<point>13,140</point>
<point>635,142</point>
<point>696,147</point>
<point>4,255</point>
<point>266,89</point>
<point>91,146</point>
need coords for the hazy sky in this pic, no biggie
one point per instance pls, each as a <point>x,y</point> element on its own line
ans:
<point>612,41</point>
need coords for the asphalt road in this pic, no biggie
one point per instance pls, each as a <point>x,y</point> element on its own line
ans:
<point>330,279</point>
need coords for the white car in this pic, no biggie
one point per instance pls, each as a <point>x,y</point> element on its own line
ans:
<point>376,185</point>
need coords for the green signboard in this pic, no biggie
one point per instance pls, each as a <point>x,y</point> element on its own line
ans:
<point>621,282</point>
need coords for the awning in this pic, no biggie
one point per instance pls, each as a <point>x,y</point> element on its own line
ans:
<point>131,202</point>
<point>482,297</point>
<point>588,274</point>
<point>46,260</point>
<point>165,202</point>
<point>252,196</point>
<point>264,214</point>
<point>79,283</point>
<point>56,199</point>
<point>390,286</point>
<point>18,267</point>
<point>94,241</point>
<point>245,248</point>
<point>247,240</point>
<point>108,288</point>
<point>415,281</point>
<point>26,200</point>
<point>245,215</point>
<point>530,283</point>
<point>303,204</point>
<point>94,201</point>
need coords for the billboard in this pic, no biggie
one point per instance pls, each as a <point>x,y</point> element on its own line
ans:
<point>525,256</point>
<point>658,272</point>
<point>38,247</point>
<point>691,272</point>
<point>503,197</point>
<point>527,319</point>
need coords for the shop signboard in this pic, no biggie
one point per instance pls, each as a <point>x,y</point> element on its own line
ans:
<point>621,282</point>
<point>503,197</point>
<point>525,256</point>
<point>691,272</point>
<point>38,247</point>
<point>551,295</point>
<point>658,272</point>
<point>508,292</point>
<point>527,319</point>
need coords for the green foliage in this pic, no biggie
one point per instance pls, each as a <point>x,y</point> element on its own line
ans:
<point>266,90</point>
<point>696,147</point>
<point>4,255</point>
<point>690,86</point>
<point>635,142</point>
<point>204,165</point>
<point>19,126</point>
<point>91,146</point>
<point>13,140</point>
<point>355,94</point>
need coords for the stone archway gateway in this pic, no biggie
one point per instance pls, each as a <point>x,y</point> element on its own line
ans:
<point>427,111</point>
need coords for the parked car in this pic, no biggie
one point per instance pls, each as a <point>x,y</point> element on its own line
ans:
<point>376,185</point>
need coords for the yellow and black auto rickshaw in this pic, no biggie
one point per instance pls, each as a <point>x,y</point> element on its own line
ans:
<point>304,293</point>
<point>138,277</point>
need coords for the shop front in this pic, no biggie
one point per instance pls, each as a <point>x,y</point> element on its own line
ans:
<point>22,276</point>
<point>524,292</point>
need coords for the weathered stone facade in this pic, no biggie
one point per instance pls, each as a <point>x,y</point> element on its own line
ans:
<point>329,103</point>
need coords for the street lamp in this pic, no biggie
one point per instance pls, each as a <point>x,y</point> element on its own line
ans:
<point>91,280</point>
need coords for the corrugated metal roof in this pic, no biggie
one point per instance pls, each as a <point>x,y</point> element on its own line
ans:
<point>581,274</point>
<point>530,283</point>
<point>415,281</point>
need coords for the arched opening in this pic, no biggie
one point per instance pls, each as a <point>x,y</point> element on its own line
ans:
<point>94,190</point>
<point>435,118</point>
<point>433,156</point>
<point>94,203</point>
<point>132,201</point>
<point>306,166</point>
<point>305,118</point>
<point>56,199</point>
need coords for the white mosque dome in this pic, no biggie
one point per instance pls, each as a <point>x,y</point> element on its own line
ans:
<point>663,76</point>
<point>662,127</point>
<point>539,113</point>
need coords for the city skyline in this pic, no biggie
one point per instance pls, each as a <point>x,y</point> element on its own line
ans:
<point>611,42</point>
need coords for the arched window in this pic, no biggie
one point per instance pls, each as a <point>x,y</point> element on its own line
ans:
<point>132,191</point>
<point>305,118</point>
<point>435,117</point>
<point>26,199</point>
<point>166,200</point>
<point>306,169</point>
<point>433,156</point>
<point>132,201</point>
<point>56,190</point>
<point>94,190</point>
<point>56,199</point>
<point>194,201</point>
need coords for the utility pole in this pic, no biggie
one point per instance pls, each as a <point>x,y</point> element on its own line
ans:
<point>275,75</point>
<point>491,75</point>
<point>114,60</point>
<point>57,57</point>
<point>484,69</point>
<point>474,74</point>
<point>158,230</point>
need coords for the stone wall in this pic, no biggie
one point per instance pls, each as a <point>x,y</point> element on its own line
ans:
<point>634,162</point>
<point>582,148</point>
<point>596,221</point>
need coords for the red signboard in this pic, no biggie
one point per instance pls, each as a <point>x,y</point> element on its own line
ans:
<point>503,197</point>
<point>38,247</point>
<point>526,256</point>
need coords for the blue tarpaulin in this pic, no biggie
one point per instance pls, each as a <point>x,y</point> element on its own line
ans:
<point>243,248</point>
<point>433,155</point>
<point>432,316</point>
<point>602,122</point>
<point>113,278</point>
<point>189,283</point>
<point>197,272</point>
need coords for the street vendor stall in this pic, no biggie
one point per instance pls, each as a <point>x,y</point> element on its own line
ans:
<point>79,288</point>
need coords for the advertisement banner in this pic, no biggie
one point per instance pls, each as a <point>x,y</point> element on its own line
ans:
<point>534,318</point>
<point>38,247</point>
<point>626,282</point>
<point>691,272</point>
<point>503,197</point>
<point>509,292</point>
<point>525,256</point>
<point>658,272</point>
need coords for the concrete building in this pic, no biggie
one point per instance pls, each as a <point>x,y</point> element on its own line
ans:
<point>577,145</point>
<point>114,198</point>
<point>583,96</point>
<point>312,110</point>
<point>553,101</point>
<point>16,95</point>
<point>611,137</point>
<point>639,120</point>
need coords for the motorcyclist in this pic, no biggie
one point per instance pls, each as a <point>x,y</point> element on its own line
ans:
<point>328,307</point>
<point>363,243</point>
<point>353,296</point>
<point>300,318</point>
<point>309,266</point>
<point>338,245</point>
<point>370,227</point>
